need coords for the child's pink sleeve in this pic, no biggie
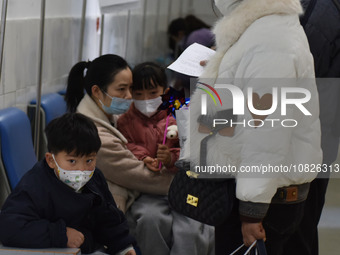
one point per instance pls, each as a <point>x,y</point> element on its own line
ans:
<point>140,152</point>
<point>123,126</point>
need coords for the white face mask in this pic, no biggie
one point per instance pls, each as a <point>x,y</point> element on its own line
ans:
<point>76,179</point>
<point>148,107</point>
<point>226,6</point>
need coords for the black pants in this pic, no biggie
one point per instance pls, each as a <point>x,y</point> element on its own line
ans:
<point>281,222</point>
<point>305,239</point>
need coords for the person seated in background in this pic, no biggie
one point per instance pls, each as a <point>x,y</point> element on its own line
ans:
<point>185,31</point>
<point>182,33</point>
<point>143,125</point>
<point>64,201</point>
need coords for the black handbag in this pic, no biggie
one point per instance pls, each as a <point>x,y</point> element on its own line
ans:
<point>206,200</point>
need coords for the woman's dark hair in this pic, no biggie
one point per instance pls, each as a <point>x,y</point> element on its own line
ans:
<point>148,75</point>
<point>72,132</point>
<point>188,24</point>
<point>100,72</point>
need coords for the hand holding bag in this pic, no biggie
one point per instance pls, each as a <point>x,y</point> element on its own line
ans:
<point>257,248</point>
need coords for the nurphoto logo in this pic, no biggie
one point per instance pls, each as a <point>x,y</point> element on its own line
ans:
<point>259,108</point>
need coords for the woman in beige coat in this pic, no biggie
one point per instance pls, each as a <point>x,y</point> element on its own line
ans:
<point>138,192</point>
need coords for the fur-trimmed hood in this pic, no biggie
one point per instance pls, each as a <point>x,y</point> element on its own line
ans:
<point>230,28</point>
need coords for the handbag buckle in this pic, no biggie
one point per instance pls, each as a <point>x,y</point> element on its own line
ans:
<point>192,200</point>
<point>192,174</point>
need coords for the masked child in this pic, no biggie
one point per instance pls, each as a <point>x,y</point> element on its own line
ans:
<point>144,125</point>
<point>64,201</point>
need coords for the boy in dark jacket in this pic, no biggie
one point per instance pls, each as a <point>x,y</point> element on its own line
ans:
<point>63,201</point>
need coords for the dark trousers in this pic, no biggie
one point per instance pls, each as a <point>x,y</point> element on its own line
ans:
<point>228,235</point>
<point>305,240</point>
<point>281,222</point>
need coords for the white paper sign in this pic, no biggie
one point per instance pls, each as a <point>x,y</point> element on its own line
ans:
<point>189,61</point>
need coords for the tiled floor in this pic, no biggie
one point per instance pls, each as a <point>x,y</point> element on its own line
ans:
<point>329,226</point>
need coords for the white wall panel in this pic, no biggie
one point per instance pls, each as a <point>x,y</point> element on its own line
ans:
<point>135,44</point>
<point>2,102</point>
<point>27,9</point>
<point>9,99</point>
<point>64,8</point>
<point>61,44</point>
<point>115,29</point>
<point>20,64</point>
<point>175,9</point>
<point>92,39</point>
<point>62,37</point>
<point>150,32</point>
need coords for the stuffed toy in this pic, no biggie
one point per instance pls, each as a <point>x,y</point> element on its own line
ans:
<point>172,132</point>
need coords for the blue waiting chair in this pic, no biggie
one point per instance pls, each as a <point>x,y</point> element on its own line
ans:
<point>62,92</point>
<point>16,146</point>
<point>53,105</point>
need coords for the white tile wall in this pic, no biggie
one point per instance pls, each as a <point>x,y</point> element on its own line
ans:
<point>9,99</point>
<point>134,53</point>
<point>21,99</point>
<point>20,66</point>
<point>61,46</point>
<point>115,27</point>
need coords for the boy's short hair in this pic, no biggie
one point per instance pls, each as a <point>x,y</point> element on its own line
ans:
<point>148,75</point>
<point>72,132</point>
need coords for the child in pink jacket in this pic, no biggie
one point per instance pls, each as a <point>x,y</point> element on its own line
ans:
<point>143,125</point>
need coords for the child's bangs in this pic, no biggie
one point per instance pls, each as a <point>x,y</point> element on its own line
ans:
<point>82,148</point>
<point>146,83</point>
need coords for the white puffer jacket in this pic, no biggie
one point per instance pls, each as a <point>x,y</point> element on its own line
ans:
<point>260,44</point>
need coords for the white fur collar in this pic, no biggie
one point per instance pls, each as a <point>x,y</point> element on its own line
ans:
<point>230,28</point>
<point>89,108</point>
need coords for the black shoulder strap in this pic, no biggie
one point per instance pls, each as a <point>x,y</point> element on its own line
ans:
<point>204,148</point>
